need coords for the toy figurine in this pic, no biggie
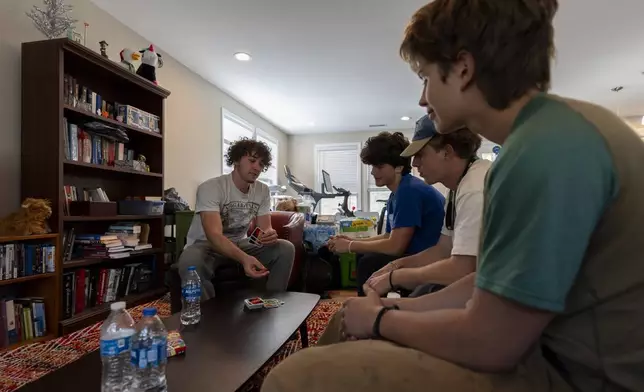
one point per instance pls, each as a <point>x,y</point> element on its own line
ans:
<point>104,46</point>
<point>127,57</point>
<point>150,61</point>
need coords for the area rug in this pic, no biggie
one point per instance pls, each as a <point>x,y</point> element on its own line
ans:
<point>28,363</point>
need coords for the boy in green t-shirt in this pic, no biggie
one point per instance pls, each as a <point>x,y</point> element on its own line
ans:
<point>557,301</point>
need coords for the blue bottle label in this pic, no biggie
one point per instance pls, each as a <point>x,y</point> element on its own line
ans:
<point>114,347</point>
<point>191,292</point>
<point>151,356</point>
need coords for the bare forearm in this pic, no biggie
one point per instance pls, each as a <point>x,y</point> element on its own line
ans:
<point>371,239</point>
<point>454,296</point>
<point>225,247</point>
<point>440,333</point>
<point>385,246</point>
<point>426,257</point>
<point>445,272</point>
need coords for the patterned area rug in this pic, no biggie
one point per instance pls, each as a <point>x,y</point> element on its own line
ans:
<point>28,363</point>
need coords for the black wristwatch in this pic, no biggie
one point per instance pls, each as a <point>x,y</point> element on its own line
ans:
<point>376,323</point>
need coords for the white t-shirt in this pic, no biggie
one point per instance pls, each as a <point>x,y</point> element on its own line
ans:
<point>469,210</point>
<point>237,209</point>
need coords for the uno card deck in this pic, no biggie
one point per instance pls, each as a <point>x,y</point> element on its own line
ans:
<point>254,237</point>
<point>254,303</point>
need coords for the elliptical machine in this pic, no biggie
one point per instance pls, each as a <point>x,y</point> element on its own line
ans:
<point>327,188</point>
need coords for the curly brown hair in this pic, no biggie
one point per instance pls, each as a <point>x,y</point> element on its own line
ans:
<point>464,142</point>
<point>511,43</point>
<point>250,147</point>
<point>385,149</point>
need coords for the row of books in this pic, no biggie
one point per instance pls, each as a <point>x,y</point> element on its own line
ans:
<point>83,144</point>
<point>82,97</point>
<point>122,239</point>
<point>21,319</point>
<point>86,288</point>
<point>18,260</point>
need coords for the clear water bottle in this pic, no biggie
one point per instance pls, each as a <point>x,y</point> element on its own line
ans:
<point>116,340</point>
<point>191,298</point>
<point>149,353</point>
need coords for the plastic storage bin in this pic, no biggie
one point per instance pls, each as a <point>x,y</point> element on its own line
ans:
<point>348,265</point>
<point>140,207</point>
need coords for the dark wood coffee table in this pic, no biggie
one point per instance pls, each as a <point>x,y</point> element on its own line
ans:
<point>223,351</point>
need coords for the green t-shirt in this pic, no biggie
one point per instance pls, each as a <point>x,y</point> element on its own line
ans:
<point>544,195</point>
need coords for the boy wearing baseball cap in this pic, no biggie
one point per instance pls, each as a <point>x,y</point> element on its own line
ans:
<point>451,160</point>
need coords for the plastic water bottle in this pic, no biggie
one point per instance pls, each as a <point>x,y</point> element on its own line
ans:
<point>116,340</point>
<point>191,298</point>
<point>149,353</point>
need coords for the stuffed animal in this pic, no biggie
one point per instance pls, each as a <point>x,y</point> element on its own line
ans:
<point>287,205</point>
<point>30,219</point>
<point>127,57</point>
<point>150,61</point>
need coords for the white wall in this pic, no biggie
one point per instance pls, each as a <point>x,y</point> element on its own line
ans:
<point>193,110</point>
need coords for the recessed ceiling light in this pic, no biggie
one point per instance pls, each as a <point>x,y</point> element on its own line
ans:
<point>312,124</point>
<point>241,56</point>
<point>405,118</point>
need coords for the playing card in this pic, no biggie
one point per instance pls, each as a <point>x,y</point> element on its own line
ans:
<point>273,303</point>
<point>254,237</point>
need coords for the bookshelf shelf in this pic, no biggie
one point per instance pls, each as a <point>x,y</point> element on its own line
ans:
<point>91,315</point>
<point>111,168</point>
<point>99,260</point>
<point>23,279</point>
<point>30,341</point>
<point>110,218</point>
<point>53,131</point>
<point>20,238</point>
<point>110,121</point>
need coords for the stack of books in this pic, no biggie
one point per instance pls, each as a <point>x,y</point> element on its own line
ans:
<point>100,246</point>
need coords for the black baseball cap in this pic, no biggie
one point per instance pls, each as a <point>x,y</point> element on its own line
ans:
<point>424,132</point>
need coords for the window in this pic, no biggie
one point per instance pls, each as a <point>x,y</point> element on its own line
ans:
<point>234,128</point>
<point>270,175</point>
<point>376,193</point>
<point>342,162</point>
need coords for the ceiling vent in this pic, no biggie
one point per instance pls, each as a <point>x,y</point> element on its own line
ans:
<point>377,125</point>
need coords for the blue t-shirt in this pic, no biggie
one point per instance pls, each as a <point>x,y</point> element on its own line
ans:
<point>418,205</point>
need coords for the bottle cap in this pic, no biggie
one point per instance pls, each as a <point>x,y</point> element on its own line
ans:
<point>192,268</point>
<point>149,312</point>
<point>117,305</point>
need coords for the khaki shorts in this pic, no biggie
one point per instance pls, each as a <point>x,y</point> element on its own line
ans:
<point>379,366</point>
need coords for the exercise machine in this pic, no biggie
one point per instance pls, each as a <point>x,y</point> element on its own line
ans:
<point>327,189</point>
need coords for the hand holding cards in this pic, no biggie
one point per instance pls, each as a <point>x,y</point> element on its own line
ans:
<point>260,237</point>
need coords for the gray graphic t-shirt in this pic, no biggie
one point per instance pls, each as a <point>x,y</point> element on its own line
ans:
<point>237,209</point>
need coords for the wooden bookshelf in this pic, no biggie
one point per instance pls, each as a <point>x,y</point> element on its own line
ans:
<point>47,168</point>
<point>29,285</point>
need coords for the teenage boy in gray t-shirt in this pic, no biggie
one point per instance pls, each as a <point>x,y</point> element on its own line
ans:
<point>226,205</point>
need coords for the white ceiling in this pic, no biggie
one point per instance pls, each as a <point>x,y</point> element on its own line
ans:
<point>335,63</point>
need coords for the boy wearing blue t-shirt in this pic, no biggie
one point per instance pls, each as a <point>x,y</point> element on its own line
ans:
<point>415,210</point>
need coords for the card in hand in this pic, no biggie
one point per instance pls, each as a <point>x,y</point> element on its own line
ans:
<point>254,236</point>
